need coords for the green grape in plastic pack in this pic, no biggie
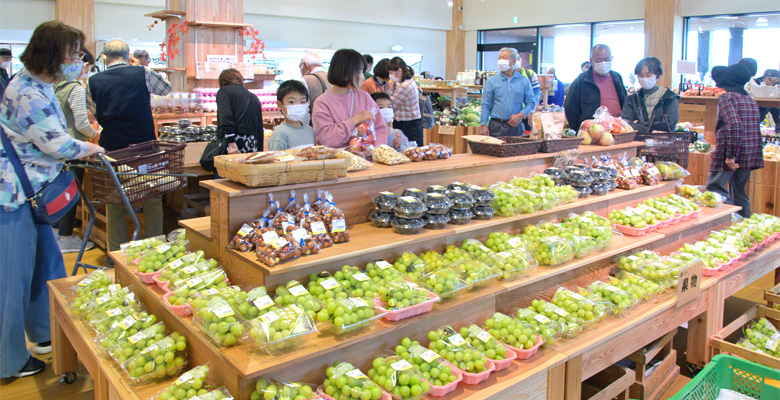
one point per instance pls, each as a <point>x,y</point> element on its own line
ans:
<point>586,310</point>
<point>188,385</point>
<point>165,357</point>
<point>132,345</point>
<point>269,389</point>
<point>132,250</point>
<point>281,328</point>
<point>484,342</point>
<point>433,366</point>
<point>354,385</point>
<point>514,332</point>
<point>398,377</point>
<point>357,282</point>
<point>551,331</point>
<point>156,258</point>
<point>572,324</point>
<point>456,350</point>
<point>446,283</point>
<point>294,293</point>
<point>220,322</point>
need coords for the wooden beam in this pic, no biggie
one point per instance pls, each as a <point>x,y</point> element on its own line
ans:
<point>663,36</point>
<point>456,43</point>
<point>78,14</point>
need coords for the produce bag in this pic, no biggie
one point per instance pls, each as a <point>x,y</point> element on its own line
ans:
<point>132,250</point>
<point>671,170</point>
<point>356,382</point>
<point>220,322</point>
<point>552,251</point>
<point>484,342</point>
<point>156,258</point>
<point>281,328</point>
<point>650,174</point>
<point>356,162</point>
<point>349,314</point>
<point>129,346</point>
<point>387,155</point>
<point>514,332</point>
<point>636,280</point>
<point>280,249</point>
<point>104,297</point>
<point>293,207</point>
<point>446,283</point>
<point>474,272</point>
<point>185,273</point>
<point>243,240</point>
<point>189,384</point>
<point>313,223</point>
<point>639,292</point>
<point>334,220</point>
<point>325,287</point>
<point>547,125</point>
<point>456,350</point>
<point>276,390</point>
<point>363,139</point>
<point>512,264</point>
<point>600,129</point>
<point>185,291</point>
<point>123,314</point>
<point>399,378</point>
<point>165,357</point>
<point>434,367</point>
<point>282,222</point>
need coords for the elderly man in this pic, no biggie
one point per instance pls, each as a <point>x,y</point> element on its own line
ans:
<point>120,99</point>
<point>314,77</point>
<point>5,63</point>
<point>506,98</point>
<point>596,87</point>
<point>142,56</point>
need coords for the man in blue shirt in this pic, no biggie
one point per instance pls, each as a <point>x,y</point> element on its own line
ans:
<point>507,98</point>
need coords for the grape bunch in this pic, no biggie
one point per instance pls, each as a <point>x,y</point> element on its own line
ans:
<point>476,249</point>
<point>632,217</point>
<point>584,309</point>
<point>123,312</point>
<point>656,213</point>
<point>512,264</point>
<point>325,287</point>
<point>132,250</point>
<point>551,250</point>
<point>102,298</point>
<point>432,366</point>
<point>689,192</point>
<point>510,200</point>
<point>571,323</point>
<point>621,299</point>
<point>444,282</point>
<point>125,328</point>
<point>456,350</point>
<point>220,321</point>
<point>663,271</point>
<point>636,261</point>
<point>501,241</point>
<point>280,327</point>
<point>294,293</point>
<point>190,384</point>
<point>155,258</point>
<point>381,271</point>
<point>551,331</point>
<point>357,282</point>
<point>344,382</point>
<point>170,269</point>
<point>398,377</point>
<point>347,315</point>
<point>765,327</point>
<point>186,291</point>
<point>474,272</point>
<point>401,294</point>
<point>484,342</point>
<point>132,345</point>
<point>215,394</point>
<point>516,333</point>
<point>692,253</point>
<point>680,202</point>
<point>434,260</point>
<point>761,341</point>
<point>159,359</point>
<point>542,185</point>
<point>636,280</point>
<point>254,302</point>
<point>663,206</point>
<point>185,273</point>
<point>272,390</point>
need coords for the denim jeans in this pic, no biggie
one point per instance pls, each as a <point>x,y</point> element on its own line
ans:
<point>29,257</point>
<point>737,181</point>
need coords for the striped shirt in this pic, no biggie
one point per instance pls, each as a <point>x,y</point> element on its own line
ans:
<point>406,101</point>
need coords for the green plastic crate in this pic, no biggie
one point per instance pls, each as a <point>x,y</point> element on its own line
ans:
<point>729,372</point>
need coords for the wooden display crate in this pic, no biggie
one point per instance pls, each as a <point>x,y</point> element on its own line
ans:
<point>651,386</point>
<point>772,297</point>
<point>610,383</point>
<point>721,342</point>
<point>452,137</point>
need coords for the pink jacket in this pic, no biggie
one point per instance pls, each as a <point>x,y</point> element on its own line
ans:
<point>330,117</point>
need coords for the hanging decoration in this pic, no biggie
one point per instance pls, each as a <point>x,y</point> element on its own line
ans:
<point>257,46</point>
<point>168,50</point>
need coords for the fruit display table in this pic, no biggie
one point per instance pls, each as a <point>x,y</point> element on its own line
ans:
<point>555,372</point>
<point>704,110</point>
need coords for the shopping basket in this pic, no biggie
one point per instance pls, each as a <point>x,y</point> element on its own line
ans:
<point>728,372</point>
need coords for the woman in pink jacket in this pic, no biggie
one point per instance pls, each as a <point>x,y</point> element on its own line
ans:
<point>338,112</point>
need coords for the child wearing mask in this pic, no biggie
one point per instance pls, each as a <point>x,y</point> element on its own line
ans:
<point>293,100</point>
<point>395,138</point>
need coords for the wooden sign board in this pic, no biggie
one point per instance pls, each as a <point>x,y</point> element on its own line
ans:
<point>689,284</point>
<point>446,130</point>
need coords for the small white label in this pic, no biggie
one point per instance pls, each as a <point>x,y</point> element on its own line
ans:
<point>408,199</point>
<point>298,290</point>
<point>183,378</point>
<point>194,281</point>
<point>85,282</point>
<point>505,254</point>
<point>611,288</point>
<point>355,374</point>
<point>318,228</point>
<point>114,287</point>
<point>775,336</point>
<point>149,349</point>
<point>457,340</point>
<point>269,236</point>
<point>577,296</point>
<point>137,243</point>
<point>771,345</point>
<point>279,243</point>
<point>382,264</point>
<point>127,322</point>
<point>387,193</point>
<point>360,277</point>
<point>515,241</point>
<point>176,264</point>
<point>358,302</point>
<point>485,249</point>
<point>102,299</point>
<point>329,284</point>
<point>114,312</point>
<point>484,336</point>
<point>542,319</point>
<point>190,269</point>
<point>339,225</point>
<point>224,311</point>
<point>300,234</point>
<point>401,365</point>
<point>263,302</point>
<point>245,230</point>
<point>561,312</point>
<point>162,248</point>
<point>731,239</point>
<point>137,337</point>
<point>429,356</point>
<point>269,317</point>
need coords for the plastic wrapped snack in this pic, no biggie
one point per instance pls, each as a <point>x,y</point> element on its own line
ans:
<point>154,259</point>
<point>671,171</point>
<point>572,324</point>
<point>446,282</point>
<point>356,282</point>
<point>621,299</point>
<point>381,219</point>
<point>335,221</point>
<point>460,217</point>
<point>399,378</point>
<point>387,155</point>
<point>294,293</point>
<point>130,346</point>
<point>433,366</point>
<point>190,384</point>
<point>550,331</point>
<point>349,315</point>
<point>436,221</point>
<point>385,201</point>
<point>274,390</point>
<point>437,203</point>
<point>220,322</point>
<point>451,345</point>
<point>165,357</point>
<point>132,250</point>
<point>344,381</point>
<point>356,162</point>
<point>409,207</point>
<point>281,328</point>
<point>514,332</point>
<point>552,250</point>
<point>586,310</point>
<point>126,328</point>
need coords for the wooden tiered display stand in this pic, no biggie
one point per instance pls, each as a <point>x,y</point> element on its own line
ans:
<point>704,110</point>
<point>553,373</point>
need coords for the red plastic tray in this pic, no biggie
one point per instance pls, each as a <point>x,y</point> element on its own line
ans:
<point>473,379</point>
<point>147,277</point>
<point>182,311</point>
<point>501,365</point>
<point>523,354</point>
<point>714,271</point>
<point>161,284</point>
<point>321,392</point>
<point>438,391</point>
<point>627,230</point>
<point>408,312</point>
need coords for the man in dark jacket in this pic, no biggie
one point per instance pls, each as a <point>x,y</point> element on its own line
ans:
<point>596,87</point>
<point>5,63</point>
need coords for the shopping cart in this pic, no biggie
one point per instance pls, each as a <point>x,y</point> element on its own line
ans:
<point>129,176</point>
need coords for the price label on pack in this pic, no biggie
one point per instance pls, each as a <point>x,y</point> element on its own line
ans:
<point>137,337</point>
<point>223,311</point>
<point>355,374</point>
<point>129,298</point>
<point>775,336</point>
<point>269,317</point>
<point>176,264</point>
<point>408,199</point>
<point>190,269</point>
<point>149,349</point>
<point>457,340</point>
<point>358,302</point>
<point>194,281</point>
<point>245,230</point>
<point>114,312</point>
<point>541,319</point>
<point>263,302</point>
<point>298,290</point>
<point>729,247</point>
<point>429,356</point>
<point>127,322</point>
<point>731,239</point>
<point>654,170</point>
<point>113,288</point>
<point>329,284</point>
<point>577,296</point>
<point>285,225</point>
<point>102,299</point>
<point>269,236</point>
<point>85,282</point>
<point>183,378</point>
<point>401,365</point>
<point>339,225</point>
<point>318,228</point>
<point>485,249</point>
<point>300,234</point>
<point>382,264</point>
<point>515,242</point>
<point>360,277</point>
<point>137,243</point>
<point>162,248</point>
<point>611,288</point>
<point>279,243</point>
<point>484,336</point>
<point>634,172</point>
<point>772,345</point>
<point>211,292</point>
<point>560,311</point>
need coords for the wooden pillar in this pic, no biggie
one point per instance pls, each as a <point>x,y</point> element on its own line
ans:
<point>78,14</point>
<point>663,36</point>
<point>456,43</point>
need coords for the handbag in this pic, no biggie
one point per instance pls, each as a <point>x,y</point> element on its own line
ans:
<point>55,199</point>
<point>215,148</point>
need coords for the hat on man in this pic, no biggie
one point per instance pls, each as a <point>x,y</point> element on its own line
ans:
<point>5,52</point>
<point>732,78</point>
<point>772,73</point>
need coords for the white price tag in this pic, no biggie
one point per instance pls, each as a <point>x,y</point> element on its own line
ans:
<point>183,378</point>
<point>360,277</point>
<point>269,236</point>
<point>358,302</point>
<point>127,322</point>
<point>137,243</point>
<point>263,302</point>
<point>329,284</point>
<point>355,374</point>
<point>485,249</point>
<point>114,312</point>
<point>149,349</point>
<point>731,239</point>
<point>541,319</point>
<point>338,225</point>
<point>298,290</point>
<point>190,269</point>
<point>269,317</point>
<point>318,228</point>
<point>577,296</point>
<point>560,311</point>
<point>429,356</point>
<point>194,281</point>
<point>300,234</point>
<point>382,264</point>
<point>279,243</point>
<point>85,282</point>
<point>224,311</point>
<point>611,288</point>
<point>771,345</point>
<point>457,340</point>
<point>137,337</point>
<point>176,264</point>
<point>114,287</point>
<point>102,299</point>
<point>211,292</point>
<point>162,248</point>
<point>401,365</point>
<point>245,230</point>
<point>515,241</point>
<point>775,336</point>
<point>484,336</point>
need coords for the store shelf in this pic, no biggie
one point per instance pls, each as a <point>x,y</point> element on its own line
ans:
<point>169,69</point>
<point>165,14</point>
<point>211,24</point>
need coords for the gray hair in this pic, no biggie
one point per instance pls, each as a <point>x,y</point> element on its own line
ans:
<point>115,50</point>
<point>141,54</point>
<point>312,59</point>
<point>551,71</point>
<point>512,52</point>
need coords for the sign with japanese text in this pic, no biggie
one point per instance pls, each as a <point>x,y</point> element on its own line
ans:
<point>689,284</point>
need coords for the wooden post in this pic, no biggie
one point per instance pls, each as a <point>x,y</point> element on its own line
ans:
<point>78,14</point>
<point>663,36</point>
<point>456,42</point>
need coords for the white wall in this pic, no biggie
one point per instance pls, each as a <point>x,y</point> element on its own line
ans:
<point>18,18</point>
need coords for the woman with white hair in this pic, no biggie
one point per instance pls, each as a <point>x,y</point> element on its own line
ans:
<point>314,77</point>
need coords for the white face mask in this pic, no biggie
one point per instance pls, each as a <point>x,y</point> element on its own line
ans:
<point>394,78</point>
<point>5,64</point>
<point>503,65</point>
<point>296,112</point>
<point>387,114</point>
<point>648,83</point>
<point>602,68</point>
